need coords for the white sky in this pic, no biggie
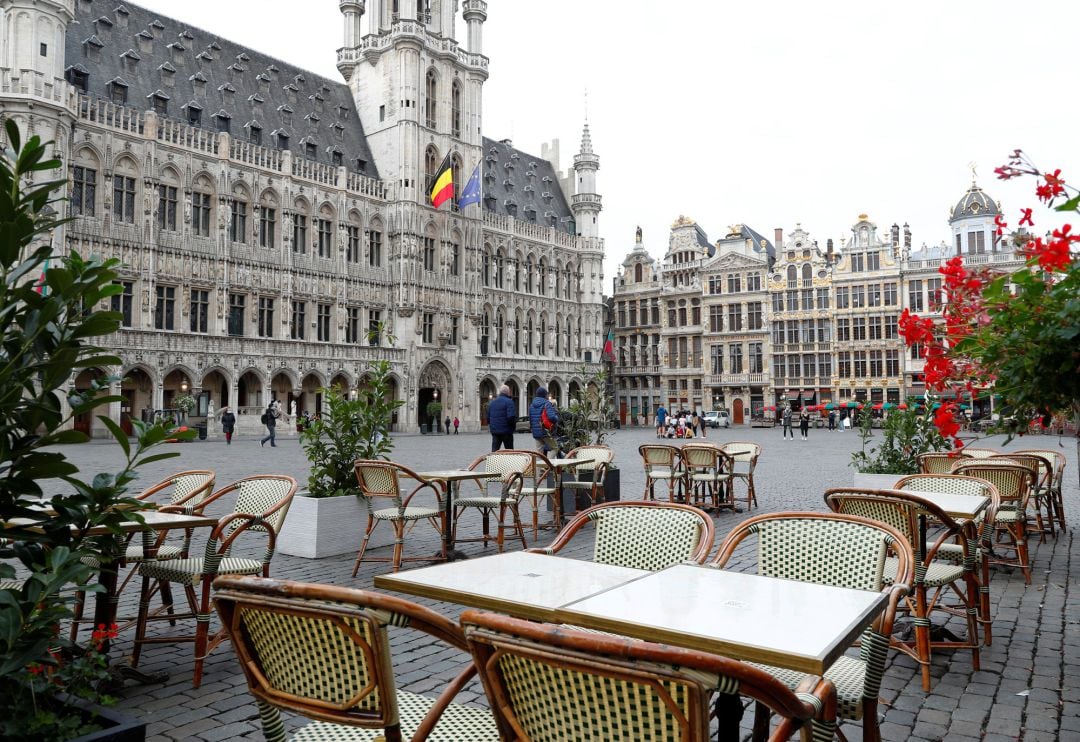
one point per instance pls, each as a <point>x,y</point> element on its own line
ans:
<point>767,113</point>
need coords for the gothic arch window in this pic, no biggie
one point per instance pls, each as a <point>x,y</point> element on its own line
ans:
<point>239,210</point>
<point>354,231</point>
<point>485,269</point>
<point>431,93</point>
<point>324,231</point>
<point>301,225</point>
<point>168,200</point>
<point>453,257</point>
<point>485,332</point>
<point>566,281</point>
<point>541,280</point>
<point>557,334</point>
<point>529,336</point>
<point>455,109</point>
<point>517,272</point>
<point>125,190</point>
<point>375,241</point>
<point>268,219</point>
<point>499,331</point>
<point>431,162</point>
<point>529,274</point>
<point>84,183</point>
<point>557,272</point>
<point>807,274</point>
<point>566,330</point>
<point>202,205</point>
<point>499,263</point>
<point>792,276</point>
<point>456,167</point>
<point>637,273</point>
<point>517,332</point>
<point>541,343</point>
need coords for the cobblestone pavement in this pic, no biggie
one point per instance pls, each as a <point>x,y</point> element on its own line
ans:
<point>1028,687</point>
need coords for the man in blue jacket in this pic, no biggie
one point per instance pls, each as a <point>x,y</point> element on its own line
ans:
<point>545,437</point>
<point>502,418</point>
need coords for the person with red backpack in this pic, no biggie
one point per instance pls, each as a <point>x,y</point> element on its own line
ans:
<point>543,418</point>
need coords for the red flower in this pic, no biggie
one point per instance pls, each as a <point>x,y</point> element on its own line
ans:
<point>35,669</point>
<point>999,222</point>
<point>1025,218</point>
<point>1053,187</point>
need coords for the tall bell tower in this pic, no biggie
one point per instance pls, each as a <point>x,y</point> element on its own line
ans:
<point>417,91</point>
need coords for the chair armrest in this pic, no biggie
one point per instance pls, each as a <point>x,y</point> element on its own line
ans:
<point>408,498</point>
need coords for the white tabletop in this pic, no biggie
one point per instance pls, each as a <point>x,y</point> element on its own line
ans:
<point>798,625</point>
<point>152,520</point>
<point>567,463</point>
<point>520,584</point>
<point>964,507</point>
<point>455,475</point>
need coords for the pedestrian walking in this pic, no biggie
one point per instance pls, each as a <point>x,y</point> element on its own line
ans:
<point>228,424</point>
<point>447,426</point>
<point>502,419</point>
<point>456,423</point>
<point>804,423</point>
<point>786,418</point>
<point>832,419</point>
<point>543,417</point>
<point>269,419</point>
<point>661,421</point>
<point>699,424</point>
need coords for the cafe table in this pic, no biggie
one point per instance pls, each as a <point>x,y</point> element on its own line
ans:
<point>449,480</point>
<point>518,583</point>
<point>560,466</point>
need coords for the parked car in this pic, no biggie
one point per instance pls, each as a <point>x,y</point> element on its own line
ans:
<point>717,419</point>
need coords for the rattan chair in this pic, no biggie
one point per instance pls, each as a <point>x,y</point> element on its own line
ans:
<point>933,576</point>
<point>381,480</point>
<point>642,535</point>
<point>1042,475</point>
<point>591,474</point>
<point>187,493</point>
<point>939,463</point>
<point>980,546</point>
<point>1057,458</point>
<point>844,551</point>
<point>744,457</point>
<point>262,502</point>
<point>662,464</point>
<point>536,488</point>
<point>1013,483</point>
<point>979,453</point>
<point>551,683</point>
<point>708,471</point>
<point>503,494</point>
<point>323,652</point>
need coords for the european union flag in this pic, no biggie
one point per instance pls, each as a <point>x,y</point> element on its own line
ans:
<point>471,192</point>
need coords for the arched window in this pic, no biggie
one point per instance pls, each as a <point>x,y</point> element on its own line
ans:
<point>566,282</point>
<point>84,184</point>
<point>301,222</point>
<point>455,109</point>
<point>268,215</point>
<point>202,204</point>
<point>485,269</point>
<point>517,333</point>
<point>375,241</point>
<point>541,273</point>
<point>454,256</point>
<point>792,277</point>
<point>499,332</point>
<point>431,163</point>
<point>485,332</point>
<point>637,273</point>
<point>566,329</point>
<point>542,341</point>
<point>529,336</point>
<point>499,269</point>
<point>456,167</point>
<point>429,99</point>
<point>557,334</point>
<point>807,274</point>
<point>517,272</point>
<point>529,274</point>
<point>239,207</point>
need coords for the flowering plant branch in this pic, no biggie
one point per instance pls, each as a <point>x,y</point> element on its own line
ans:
<point>1018,332</point>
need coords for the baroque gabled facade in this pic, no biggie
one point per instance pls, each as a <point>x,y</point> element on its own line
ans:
<point>274,226</point>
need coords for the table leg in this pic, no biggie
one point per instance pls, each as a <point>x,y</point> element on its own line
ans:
<point>449,553</point>
<point>729,712</point>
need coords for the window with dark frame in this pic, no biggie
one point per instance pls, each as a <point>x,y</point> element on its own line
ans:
<point>200,214</point>
<point>325,235</point>
<point>199,310</point>
<point>118,93</point>
<point>255,135</point>
<point>429,253</point>
<point>352,325</point>
<point>297,320</point>
<point>161,105</point>
<point>299,234</point>
<point>352,244</point>
<point>238,221</point>
<point>167,207</point>
<point>322,323</point>
<point>194,116</point>
<point>374,327</point>
<point>374,248</point>
<point>428,327</point>
<point>237,304</point>
<point>124,198</point>
<point>165,308</point>
<point>267,226</point>
<point>265,328</point>
<point>123,302</point>
<point>83,191</point>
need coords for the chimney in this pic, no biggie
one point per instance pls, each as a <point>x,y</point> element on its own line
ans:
<point>895,232</point>
<point>907,236</point>
<point>829,250</point>
<point>778,238</point>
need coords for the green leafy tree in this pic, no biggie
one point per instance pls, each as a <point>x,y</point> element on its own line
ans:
<point>347,430</point>
<point>49,321</point>
<point>590,416</point>
<point>906,434</point>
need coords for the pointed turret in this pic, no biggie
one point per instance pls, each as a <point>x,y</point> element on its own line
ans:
<point>586,201</point>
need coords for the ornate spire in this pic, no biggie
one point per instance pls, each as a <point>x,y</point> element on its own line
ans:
<point>586,141</point>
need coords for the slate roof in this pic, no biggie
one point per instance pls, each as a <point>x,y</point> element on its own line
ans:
<point>523,186</point>
<point>761,245</point>
<point>974,203</point>
<point>191,68</point>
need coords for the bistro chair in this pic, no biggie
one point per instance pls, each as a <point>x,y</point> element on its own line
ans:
<point>744,457</point>
<point>1057,459</point>
<point>381,481</point>
<point>933,576</point>
<point>323,652</point>
<point>591,474</point>
<point>507,495</point>
<point>708,471</point>
<point>536,487</point>
<point>1013,483</point>
<point>1042,474</point>
<point>979,453</point>
<point>548,683</point>
<point>262,502</point>
<point>662,464</point>
<point>939,462</point>
<point>844,551</point>
<point>642,535</point>
<point>979,546</point>
<point>187,493</point>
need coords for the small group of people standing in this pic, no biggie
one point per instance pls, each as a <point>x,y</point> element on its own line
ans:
<point>543,420</point>
<point>804,423</point>
<point>682,424</point>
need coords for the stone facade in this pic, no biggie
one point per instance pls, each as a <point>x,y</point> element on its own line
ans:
<point>275,229</point>
<point>750,327</point>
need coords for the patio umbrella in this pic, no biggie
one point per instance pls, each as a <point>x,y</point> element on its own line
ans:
<point>902,406</point>
<point>771,408</point>
<point>877,406</point>
<point>853,403</point>
<point>830,406</point>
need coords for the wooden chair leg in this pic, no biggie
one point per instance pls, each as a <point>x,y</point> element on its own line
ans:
<point>363,544</point>
<point>140,624</point>
<point>202,631</point>
<point>399,542</point>
<point>517,524</point>
<point>922,635</point>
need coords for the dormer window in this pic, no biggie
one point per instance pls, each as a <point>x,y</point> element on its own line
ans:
<point>282,139</point>
<point>361,165</point>
<point>222,121</point>
<point>336,158</point>
<point>160,103</point>
<point>339,131</point>
<point>343,113</point>
<point>310,150</point>
<point>255,134</point>
<point>79,77</point>
<point>194,114</point>
<point>286,115</point>
<point>118,90</point>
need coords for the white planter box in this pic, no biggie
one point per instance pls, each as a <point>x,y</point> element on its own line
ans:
<point>876,481</point>
<point>319,527</point>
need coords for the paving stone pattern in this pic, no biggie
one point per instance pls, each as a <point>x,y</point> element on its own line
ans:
<point>1028,687</point>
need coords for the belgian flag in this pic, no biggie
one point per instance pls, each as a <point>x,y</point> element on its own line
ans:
<point>442,185</point>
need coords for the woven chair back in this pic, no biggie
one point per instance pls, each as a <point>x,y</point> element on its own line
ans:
<point>1013,482</point>
<point>379,479</point>
<point>648,536</point>
<point>952,484</point>
<point>267,495</point>
<point>741,450</point>
<point>505,464</point>
<point>1056,458</point>
<point>1042,469</point>
<point>939,463</point>
<point>594,455</point>
<point>980,453</point>
<point>192,487</point>
<point>658,456</point>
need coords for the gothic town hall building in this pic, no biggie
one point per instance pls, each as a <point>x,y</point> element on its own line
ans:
<point>274,226</point>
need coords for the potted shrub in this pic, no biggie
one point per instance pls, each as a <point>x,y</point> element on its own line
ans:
<point>905,435</point>
<point>328,517</point>
<point>589,418</point>
<point>434,411</point>
<point>51,310</point>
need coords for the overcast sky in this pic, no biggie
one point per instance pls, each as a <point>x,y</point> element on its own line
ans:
<point>767,113</point>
